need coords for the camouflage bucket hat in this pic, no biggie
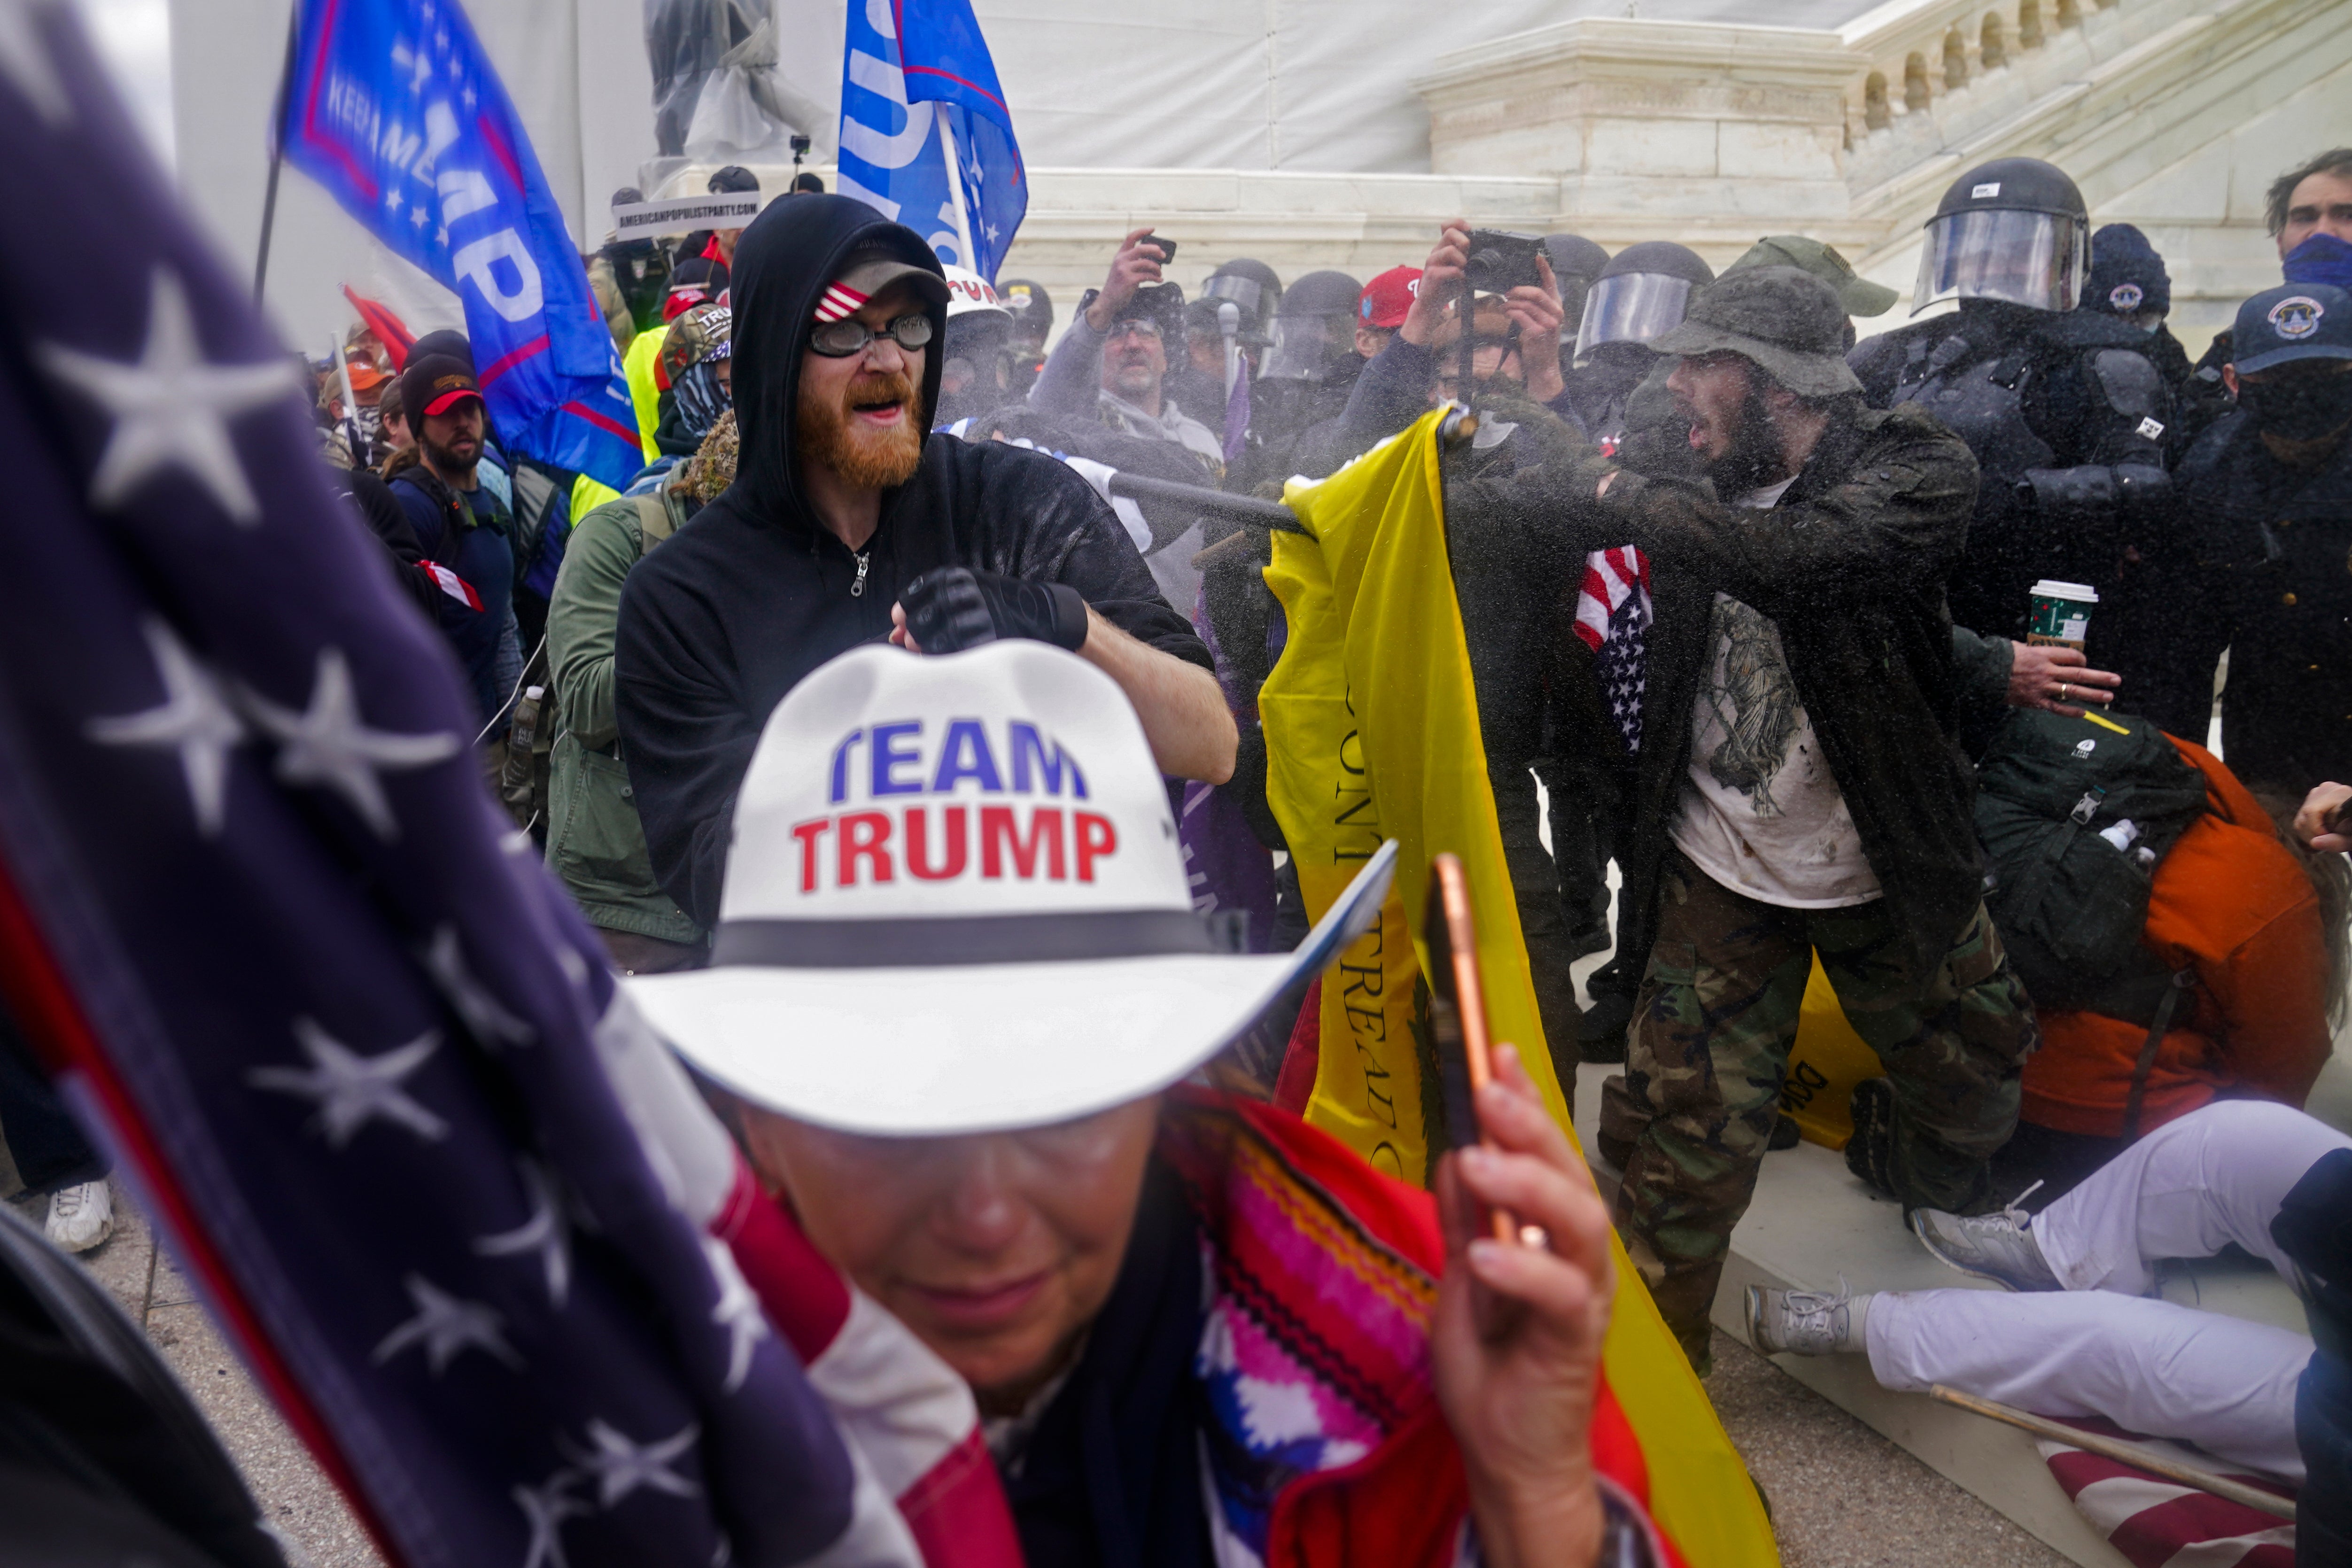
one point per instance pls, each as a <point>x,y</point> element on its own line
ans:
<point>1787,321</point>
<point>1858,294</point>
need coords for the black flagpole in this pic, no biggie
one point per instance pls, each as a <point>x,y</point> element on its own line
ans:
<point>276,149</point>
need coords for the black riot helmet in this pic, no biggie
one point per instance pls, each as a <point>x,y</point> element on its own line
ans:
<point>1314,327</point>
<point>2014,230</point>
<point>1643,293</point>
<point>1576,262</point>
<point>1573,256</point>
<point>1251,286</point>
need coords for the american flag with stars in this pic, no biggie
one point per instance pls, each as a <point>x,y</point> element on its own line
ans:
<point>1612,619</point>
<point>462,1214</point>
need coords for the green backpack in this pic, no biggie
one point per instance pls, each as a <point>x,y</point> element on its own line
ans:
<point>2074,816</point>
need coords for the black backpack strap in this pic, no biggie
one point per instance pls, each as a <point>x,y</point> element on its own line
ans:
<point>2183,980</point>
<point>454,516</point>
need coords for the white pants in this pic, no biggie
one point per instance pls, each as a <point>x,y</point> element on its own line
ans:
<point>2212,1177</point>
<point>2222,1383</point>
<point>2215,1176</point>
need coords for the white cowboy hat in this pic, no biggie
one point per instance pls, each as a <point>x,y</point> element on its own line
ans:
<point>955,903</point>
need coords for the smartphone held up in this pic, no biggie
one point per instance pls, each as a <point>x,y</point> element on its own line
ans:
<point>1457,1015</point>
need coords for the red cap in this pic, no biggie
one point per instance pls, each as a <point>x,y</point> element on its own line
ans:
<point>1387,298</point>
<point>434,384</point>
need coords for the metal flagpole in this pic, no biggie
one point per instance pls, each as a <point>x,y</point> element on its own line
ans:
<point>955,185</point>
<point>336,357</point>
<point>276,148</point>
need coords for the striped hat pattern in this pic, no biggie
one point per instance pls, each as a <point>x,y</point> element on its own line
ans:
<point>840,300</point>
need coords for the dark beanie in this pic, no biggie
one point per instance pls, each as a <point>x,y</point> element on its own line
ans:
<point>734,180</point>
<point>2126,274</point>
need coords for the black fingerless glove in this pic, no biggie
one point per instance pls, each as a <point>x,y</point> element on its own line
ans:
<point>955,608</point>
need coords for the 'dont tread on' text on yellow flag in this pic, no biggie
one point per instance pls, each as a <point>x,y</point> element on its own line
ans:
<point>1372,729</point>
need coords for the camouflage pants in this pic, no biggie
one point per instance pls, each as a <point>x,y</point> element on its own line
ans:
<point>1709,1046</point>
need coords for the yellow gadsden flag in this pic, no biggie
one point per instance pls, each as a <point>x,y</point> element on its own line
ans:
<point>1372,731</point>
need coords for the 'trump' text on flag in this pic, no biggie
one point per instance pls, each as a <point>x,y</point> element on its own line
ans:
<point>395,108</point>
<point>919,97</point>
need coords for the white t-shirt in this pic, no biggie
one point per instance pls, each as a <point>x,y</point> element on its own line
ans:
<point>1760,812</point>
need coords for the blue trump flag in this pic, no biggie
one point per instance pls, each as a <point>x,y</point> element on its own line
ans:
<point>393,107</point>
<point>917,82</point>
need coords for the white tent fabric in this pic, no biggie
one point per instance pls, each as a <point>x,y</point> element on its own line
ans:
<point>1293,85</point>
<point>1322,85</point>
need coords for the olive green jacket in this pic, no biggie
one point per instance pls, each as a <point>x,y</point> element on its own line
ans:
<point>594,842</point>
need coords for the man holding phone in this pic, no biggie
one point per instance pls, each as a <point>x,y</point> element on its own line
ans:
<point>1110,367</point>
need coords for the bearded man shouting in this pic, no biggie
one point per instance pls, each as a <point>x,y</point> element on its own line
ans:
<point>847,523</point>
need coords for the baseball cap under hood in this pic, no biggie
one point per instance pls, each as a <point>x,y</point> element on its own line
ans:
<point>782,264</point>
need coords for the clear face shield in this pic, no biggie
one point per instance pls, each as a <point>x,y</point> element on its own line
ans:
<point>1306,346</point>
<point>2031,258</point>
<point>976,340</point>
<point>1243,291</point>
<point>1631,307</point>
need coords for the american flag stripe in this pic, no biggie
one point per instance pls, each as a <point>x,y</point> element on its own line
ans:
<point>2154,1521</point>
<point>1612,618</point>
<point>909,1416</point>
<point>1608,576</point>
<point>839,301</point>
<point>436,1176</point>
<point>449,583</point>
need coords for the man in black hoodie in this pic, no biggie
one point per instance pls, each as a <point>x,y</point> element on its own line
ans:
<point>849,523</point>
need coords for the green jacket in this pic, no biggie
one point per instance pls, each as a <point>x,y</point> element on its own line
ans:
<point>594,842</point>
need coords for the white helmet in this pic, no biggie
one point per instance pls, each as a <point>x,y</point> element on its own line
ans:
<point>970,293</point>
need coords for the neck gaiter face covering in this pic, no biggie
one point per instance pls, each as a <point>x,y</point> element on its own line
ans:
<point>2322,259</point>
<point>2302,408</point>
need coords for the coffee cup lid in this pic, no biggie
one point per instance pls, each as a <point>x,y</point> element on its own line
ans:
<point>2081,593</point>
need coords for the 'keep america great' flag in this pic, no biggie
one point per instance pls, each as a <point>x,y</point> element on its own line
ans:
<point>457,1208</point>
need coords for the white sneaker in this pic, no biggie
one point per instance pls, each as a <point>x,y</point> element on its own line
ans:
<point>1804,1322</point>
<point>1997,1246</point>
<point>80,1217</point>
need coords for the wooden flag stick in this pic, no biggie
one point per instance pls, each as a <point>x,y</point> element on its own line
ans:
<point>2123,1453</point>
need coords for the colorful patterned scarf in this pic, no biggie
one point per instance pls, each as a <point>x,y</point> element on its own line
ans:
<point>1315,1339</point>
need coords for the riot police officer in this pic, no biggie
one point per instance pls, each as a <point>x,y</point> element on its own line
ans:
<point>1311,367</point>
<point>2064,409</point>
<point>1576,264</point>
<point>2265,567</point>
<point>1196,362</point>
<point>1640,295</point>
<point>1252,286</point>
